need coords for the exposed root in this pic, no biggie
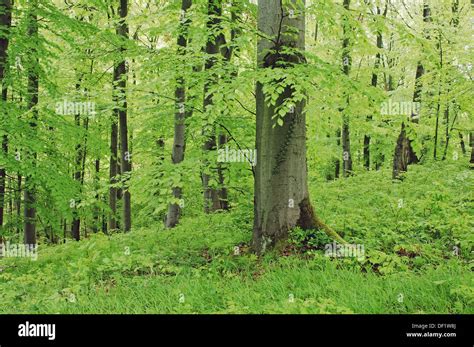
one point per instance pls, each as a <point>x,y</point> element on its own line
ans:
<point>309,220</point>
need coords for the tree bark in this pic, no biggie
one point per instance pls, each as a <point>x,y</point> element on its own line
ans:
<point>113,170</point>
<point>337,162</point>
<point>76,221</point>
<point>5,24</point>
<point>374,83</point>
<point>281,198</point>
<point>18,194</point>
<point>215,198</point>
<point>440,91</point>
<point>95,225</point>
<point>179,141</point>
<point>33,87</point>
<point>346,68</point>
<point>471,142</point>
<point>125,159</point>
<point>461,142</point>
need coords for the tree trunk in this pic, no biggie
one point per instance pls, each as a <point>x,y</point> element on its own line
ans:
<point>125,158</point>
<point>95,226</point>
<point>461,142</point>
<point>76,221</point>
<point>440,92</point>
<point>5,24</point>
<point>18,203</point>
<point>337,162</point>
<point>471,142</point>
<point>179,141</point>
<point>113,171</point>
<point>404,154</point>
<point>447,132</point>
<point>374,83</point>
<point>33,86</point>
<point>346,68</point>
<point>215,198</point>
<point>281,198</point>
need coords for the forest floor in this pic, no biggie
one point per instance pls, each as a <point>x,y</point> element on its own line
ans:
<point>417,236</point>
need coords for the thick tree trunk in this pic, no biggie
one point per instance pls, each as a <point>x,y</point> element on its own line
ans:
<point>179,141</point>
<point>33,86</point>
<point>281,199</point>
<point>403,154</point>
<point>5,24</point>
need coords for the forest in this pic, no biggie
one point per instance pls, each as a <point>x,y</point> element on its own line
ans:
<point>236,156</point>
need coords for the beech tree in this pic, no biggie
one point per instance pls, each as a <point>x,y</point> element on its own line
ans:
<point>281,197</point>
<point>5,24</point>
<point>179,140</point>
<point>346,68</point>
<point>33,87</point>
<point>121,75</point>
<point>215,193</point>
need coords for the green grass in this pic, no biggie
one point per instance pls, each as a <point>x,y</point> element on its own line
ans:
<point>193,268</point>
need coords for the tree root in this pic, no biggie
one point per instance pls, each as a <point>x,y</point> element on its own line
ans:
<point>309,220</point>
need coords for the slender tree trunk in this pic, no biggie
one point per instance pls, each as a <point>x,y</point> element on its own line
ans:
<point>18,202</point>
<point>374,83</point>
<point>125,159</point>
<point>179,141</point>
<point>337,162</point>
<point>471,142</point>
<point>95,226</point>
<point>436,130</point>
<point>461,142</point>
<point>215,198</point>
<point>346,67</point>
<point>346,148</point>
<point>112,225</point>
<point>5,24</point>
<point>76,221</point>
<point>440,91</point>
<point>447,131</point>
<point>33,86</point>
<point>281,199</point>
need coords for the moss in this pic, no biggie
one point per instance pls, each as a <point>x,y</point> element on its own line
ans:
<point>309,220</point>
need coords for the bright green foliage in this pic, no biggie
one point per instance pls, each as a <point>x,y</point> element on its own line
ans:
<point>409,251</point>
<point>418,233</point>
